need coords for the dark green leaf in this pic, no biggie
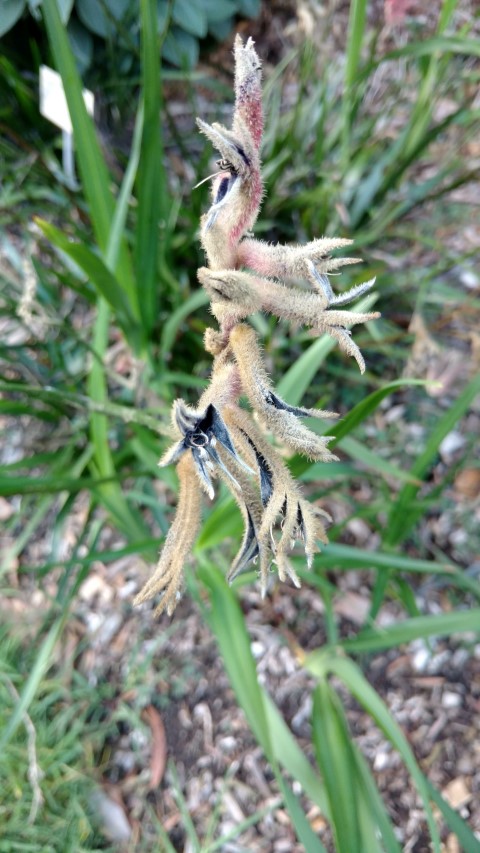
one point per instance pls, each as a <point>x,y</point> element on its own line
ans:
<point>82,45</point>
<point>10,12</point>
<point>191,17</point>
<point>249,8</point>
<point>102,22</point>
<point>151,182</point>
<point>219,10</point>
<point>180,48</point>
<point>93,266</point>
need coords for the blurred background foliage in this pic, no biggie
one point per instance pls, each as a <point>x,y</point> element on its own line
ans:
<point>105,34</point>
<point>371,133</point>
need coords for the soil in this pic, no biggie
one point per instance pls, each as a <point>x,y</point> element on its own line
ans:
<point>190,715</point>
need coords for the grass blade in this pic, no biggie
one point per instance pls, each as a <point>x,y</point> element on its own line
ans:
<point>298,377</point>
<point>228,625</point>
<point>102,464</point>
<point>335,554</point>
<point>372,461</point>
<point>152,188</point>
<point>187,822</point>
<point>355,41</point>
<point>366,407</point>
<point>92,265</point>
<point>223,521</point>
<point>460,45</point>
<point>42,663</point>
<point>354,680</point>
<point>291,757</point>
<point>171,327</point>
<point>249,821</point>
<point>374,826</point>
<point>469,843</point>
<point>117,228</point>
<point>457,622</point>
<point>342,557</point>
<point>93,171</point>
<point>65,597</point>
<point>356,32</point>
<point>403,513</point>
<point>373,802</point>
<point>334,758</point>
<point>304,831</point>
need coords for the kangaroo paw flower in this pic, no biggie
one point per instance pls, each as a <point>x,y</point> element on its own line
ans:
<point>281,418</point>
<point>168,576</point>
<point>283,506</point>
<point>322,282</point>
<point>201,431</point>
<point>218,439</point>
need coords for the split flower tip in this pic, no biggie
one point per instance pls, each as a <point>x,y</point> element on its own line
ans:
<point>248,93</point>
<point>201,431</point>
<point>248,66</point>
<point>233,154</point>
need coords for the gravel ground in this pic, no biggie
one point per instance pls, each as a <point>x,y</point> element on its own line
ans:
<point>432,690</point>
<point>194,738</point>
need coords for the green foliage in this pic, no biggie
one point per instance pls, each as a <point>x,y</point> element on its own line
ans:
<point>349,798</point>
<point>44,770</point>
<point>227,623</point>
<point>352,158</point>
<point>114,24</point>
<point>124,251</point>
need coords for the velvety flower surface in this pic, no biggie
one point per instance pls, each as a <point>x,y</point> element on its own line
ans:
<point>221,439</point>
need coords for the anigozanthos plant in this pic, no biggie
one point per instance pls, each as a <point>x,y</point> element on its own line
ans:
<point>218,439</point>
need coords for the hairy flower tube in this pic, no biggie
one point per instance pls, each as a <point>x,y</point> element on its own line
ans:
<point>220,439</point>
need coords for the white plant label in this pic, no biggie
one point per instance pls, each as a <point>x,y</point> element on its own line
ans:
<point>53,103</point>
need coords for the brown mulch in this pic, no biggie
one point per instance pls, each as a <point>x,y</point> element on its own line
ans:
<point>191,719</point>
<point>191,726</point>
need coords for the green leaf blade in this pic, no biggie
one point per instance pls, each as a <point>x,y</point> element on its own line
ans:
<point>334,759</point>
<point>402,514</point>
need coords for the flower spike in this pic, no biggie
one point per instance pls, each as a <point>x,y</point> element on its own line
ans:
<point>219,439</point>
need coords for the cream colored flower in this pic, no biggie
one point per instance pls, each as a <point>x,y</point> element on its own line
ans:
<point>220,439</point>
